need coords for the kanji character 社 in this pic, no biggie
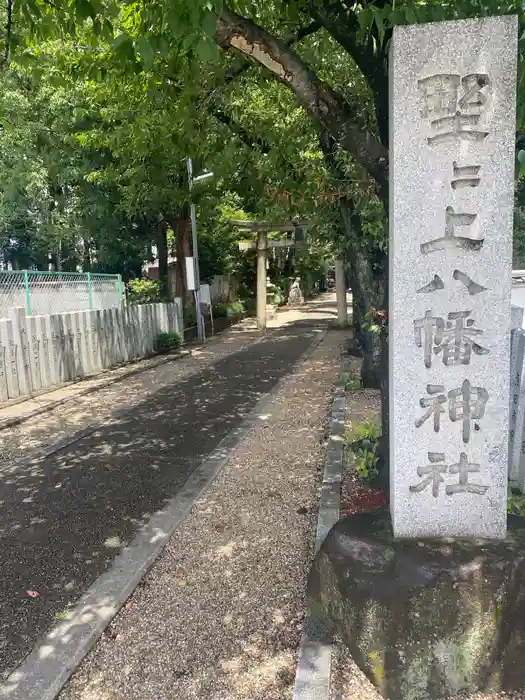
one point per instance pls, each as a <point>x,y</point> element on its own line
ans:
<point>464,468</point>
<point>432,473</point>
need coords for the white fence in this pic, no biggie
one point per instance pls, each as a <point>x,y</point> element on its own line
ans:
<point>41,352</point>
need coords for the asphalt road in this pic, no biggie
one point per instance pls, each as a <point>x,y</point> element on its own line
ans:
<point>64,518</point>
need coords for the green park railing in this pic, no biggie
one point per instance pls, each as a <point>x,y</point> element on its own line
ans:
<point>40,292</point>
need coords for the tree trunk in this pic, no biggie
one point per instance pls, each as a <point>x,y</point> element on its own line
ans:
<point>369,295</point>
<point>368,268</point>
<point>180,226</point>
<point>86,263</point>
<point>162,254</point>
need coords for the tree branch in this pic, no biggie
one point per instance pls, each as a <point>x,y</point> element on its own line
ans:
<point>233,72</point>
<point>252,141</point>
<point>328,108</point>
<point>370,58</point>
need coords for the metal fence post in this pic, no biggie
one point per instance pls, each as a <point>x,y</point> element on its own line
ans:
<point>28,293</point>
<point>120,288</point>
<point>90,291</point>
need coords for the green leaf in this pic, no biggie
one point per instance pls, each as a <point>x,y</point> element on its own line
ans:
<point>120,39</point>
<point>209,23</point>
<point>144,50</point>
<point>410,14</point>
<point>206,50</point>
<point>365,19</point>
<point>379,20</point>
<point>84,9</point>
<point>173,20</point>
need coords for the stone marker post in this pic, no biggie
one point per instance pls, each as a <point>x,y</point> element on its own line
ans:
<point>452,126</point>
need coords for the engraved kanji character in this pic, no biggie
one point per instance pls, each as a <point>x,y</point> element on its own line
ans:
<point>473,99</point>
<point>473,287</point>
<point>465,176</point>
<point>467,404</point>
<point>450,239</point>
<point>464,468</point>
<point>425,330</point>
<point>450,128</point>
<point>432,286</point>
<point>456,340</point>
<point>432,473</point>
<point>439,94</point>
<point>454,116</point>
<point>434,405</point>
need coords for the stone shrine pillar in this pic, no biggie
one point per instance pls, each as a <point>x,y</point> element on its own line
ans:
<point>452,101</point>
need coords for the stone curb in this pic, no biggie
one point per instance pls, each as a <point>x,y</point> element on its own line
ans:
<point>44,672</point>
<point>10,422</point>
<point>312,679</point>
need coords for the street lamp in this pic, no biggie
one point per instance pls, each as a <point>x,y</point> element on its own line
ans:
<point>192,181</point>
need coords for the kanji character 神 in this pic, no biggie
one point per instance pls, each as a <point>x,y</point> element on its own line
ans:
<point>465,404</point>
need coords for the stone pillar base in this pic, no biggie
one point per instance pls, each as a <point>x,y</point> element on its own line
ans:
<point>424,619</point>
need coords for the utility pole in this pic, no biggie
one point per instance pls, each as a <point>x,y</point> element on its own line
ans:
<point>195,248</point>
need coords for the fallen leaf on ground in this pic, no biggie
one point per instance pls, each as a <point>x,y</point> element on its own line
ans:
<point>110,468</point>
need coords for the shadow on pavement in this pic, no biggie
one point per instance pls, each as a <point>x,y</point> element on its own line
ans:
<point>64,518</point>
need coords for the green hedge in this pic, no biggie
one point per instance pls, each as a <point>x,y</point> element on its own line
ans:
<point>167,342</point>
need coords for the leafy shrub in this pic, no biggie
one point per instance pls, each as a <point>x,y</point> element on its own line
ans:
<point>220,310</point>
<point>515,503</point>
<point>142,290</point>
<point>235,308</point>
<point>167,342</point>
<point>352,383</point>
<point>228,310</point>
<point>250,304</point>
<point>366,459</point>
<point>278,298</point>
<point>368,429</point>
<point>190,317</point>
<point>364,443</point>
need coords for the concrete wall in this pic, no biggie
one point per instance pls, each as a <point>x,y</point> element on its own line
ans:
<point>41,352</point>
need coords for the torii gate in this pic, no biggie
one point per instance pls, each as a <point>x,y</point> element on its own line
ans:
<point>262,230</point>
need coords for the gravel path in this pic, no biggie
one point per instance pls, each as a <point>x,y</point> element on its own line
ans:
<point>219,616</point>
